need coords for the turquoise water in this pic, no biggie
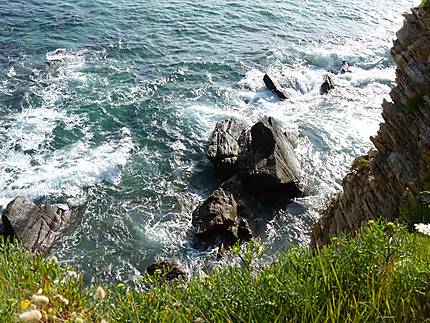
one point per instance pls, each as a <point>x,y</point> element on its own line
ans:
<point>107,106</point>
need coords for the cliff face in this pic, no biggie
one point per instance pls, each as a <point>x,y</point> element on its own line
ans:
<point>400,163</point>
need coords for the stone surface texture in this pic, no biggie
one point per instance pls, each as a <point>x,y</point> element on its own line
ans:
<point>35,227</point>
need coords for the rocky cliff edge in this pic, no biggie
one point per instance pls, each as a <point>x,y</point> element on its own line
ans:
<point>399,165</point>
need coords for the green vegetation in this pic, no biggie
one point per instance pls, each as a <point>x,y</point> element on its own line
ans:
<point>415,208</point>
<point>426,5</point>
<point>360,163</point>
<point>22,275</point>
<point>381,274</point>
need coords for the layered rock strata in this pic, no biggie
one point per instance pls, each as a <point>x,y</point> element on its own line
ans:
<point>400,162</point>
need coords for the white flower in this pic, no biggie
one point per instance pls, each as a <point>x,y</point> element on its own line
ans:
<point>53,259</point>
<point>31,316</point>
<point>40,300</point>
<point>72,274</point>
<point>100,293</point>
<point>62,299</point>
<point>423,228</point>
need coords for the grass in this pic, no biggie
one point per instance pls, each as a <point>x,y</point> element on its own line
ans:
<point>380,275</point>
<point>414,208</point>
<point>23,274</point>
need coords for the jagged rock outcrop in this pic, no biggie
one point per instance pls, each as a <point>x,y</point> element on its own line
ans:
<point>269,165</point>
<point>265,165</point>
<point>270,84</point>
<point>224,147</point>
<point>376,183</point>
<point>35,227</point>
<point>223,216</point>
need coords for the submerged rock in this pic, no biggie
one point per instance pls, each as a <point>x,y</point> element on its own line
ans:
<point>269,164</point>
<point>35,227</point>
<point>344,68</point>
<point>223,217</point>
<point>224,147</point>
<point>270,84</point>
<point>168,270</point>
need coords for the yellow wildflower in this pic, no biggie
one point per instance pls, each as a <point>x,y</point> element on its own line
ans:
<point>25,304</point>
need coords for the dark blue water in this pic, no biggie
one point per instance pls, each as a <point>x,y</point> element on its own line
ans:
<point>108,106</point>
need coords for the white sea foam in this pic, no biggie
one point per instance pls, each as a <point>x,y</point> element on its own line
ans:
<point>30,128</point>
<point>29,166</point>
<point>361,77</point>
<point>11,72</point>
<point>63,172</point>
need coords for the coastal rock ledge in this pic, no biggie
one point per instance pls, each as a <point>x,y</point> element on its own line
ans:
<point>400,163</point>
<point>35,227</point>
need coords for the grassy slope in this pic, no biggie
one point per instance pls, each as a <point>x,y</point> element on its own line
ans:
<point>382,274</point>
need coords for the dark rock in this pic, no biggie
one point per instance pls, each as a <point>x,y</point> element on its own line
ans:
<point>244,231</point>
<point>344,68</point>
<point>5,234</point>
<point>168,270</point>
<point>4,231</point>
<point>327,85</point>
<point>224,147</point>
<point>272,87</point>
<point>35,227</point>
<point>265,165</point>
<point>269,164</point>
<point>222,218</point>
